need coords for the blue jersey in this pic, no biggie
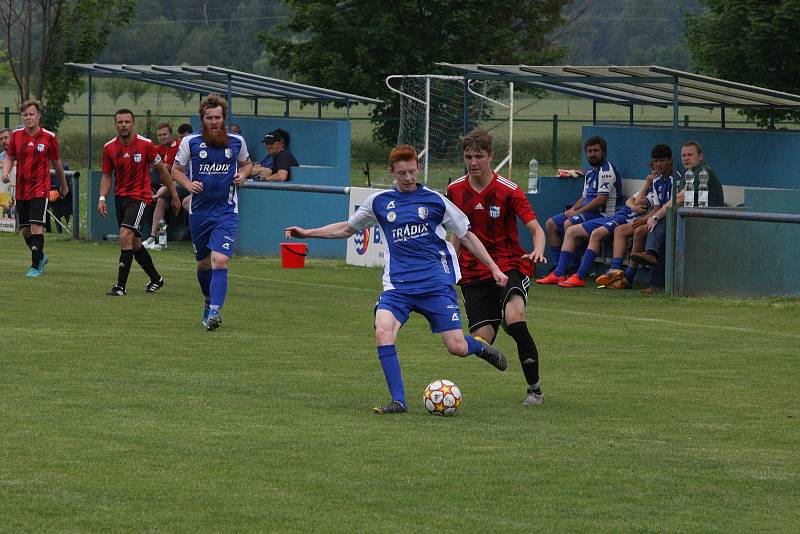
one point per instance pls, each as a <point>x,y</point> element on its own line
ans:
<point>418,257</point>
<point>215,167</point>
<point>661,190</point>
<point>604,180</point>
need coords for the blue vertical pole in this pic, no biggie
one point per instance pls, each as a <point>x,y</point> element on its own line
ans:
<point>630,115</point>
<point>286,109</point>
<point>75,197</point>
<point>319,109</point>
<point>230,101</point>
<point>671,254</point>
<point>722,116</point>
<point>679,288</point>
<point>594,112</point>
<point>255,107</point>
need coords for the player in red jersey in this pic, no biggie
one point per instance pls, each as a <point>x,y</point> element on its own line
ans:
<point>128,157</point>
<point>492,203</point>
<point>33,148</point>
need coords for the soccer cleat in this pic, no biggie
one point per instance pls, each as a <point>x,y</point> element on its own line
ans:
<point>214,320</point>
<point>535,396</point>
<point>116,291</point>
<point>645,258</point>
<point>573,281</point>
<point>492,355</point>
<point>152,287</point>
<point>619,284</point>
<point>610,277</point>
<point>393,407</point>
<point>42,263</point>
<point>551,279</point>
<point>34,273</point>
<point>206,311</point>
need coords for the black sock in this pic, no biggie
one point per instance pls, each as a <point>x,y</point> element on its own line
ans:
<point>125,261</point>
<point>144,259</point>
<point>28,241</point>
<point>37,249</point>
<point>528,354</point>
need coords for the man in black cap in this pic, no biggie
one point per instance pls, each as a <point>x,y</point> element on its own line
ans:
<point>277,170</point>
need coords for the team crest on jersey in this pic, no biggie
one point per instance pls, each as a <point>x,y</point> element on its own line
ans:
<point>40,147</point>
<point>422,211</point>
<point>137,158</point>
<point>228,153</point>
<point>391,216</point>
<point>203,154</point>
<point>494,212</point>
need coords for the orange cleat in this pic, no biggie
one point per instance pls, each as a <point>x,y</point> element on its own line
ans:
<point>551,279</point>
<point>610,277</point>
<point>572,281</point>
<point>619,284</point>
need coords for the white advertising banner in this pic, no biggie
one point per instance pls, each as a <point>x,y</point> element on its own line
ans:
<point>364,248</point>
<point>8,215</point>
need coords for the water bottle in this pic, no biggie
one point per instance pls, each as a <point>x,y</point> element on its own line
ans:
<point>688,191</point>
<point>533,176</point>
<point>161,238</point>
<point>110,237</point>
<point>702,189</point>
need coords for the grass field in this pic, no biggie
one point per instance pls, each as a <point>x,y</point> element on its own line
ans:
<point>123,414</point>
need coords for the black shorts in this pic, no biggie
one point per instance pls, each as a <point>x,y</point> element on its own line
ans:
<point>130,213</point>
<point>485,301</point>
<point>31,211</point>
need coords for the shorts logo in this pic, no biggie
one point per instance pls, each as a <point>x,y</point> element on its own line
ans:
<point>226,246</point>
<point>390,205</point>
<point>228,153</point>
<point>422,212</point>
<point>362,241</point>
<point>494,212</point>
<point>455,318</point>
<point>137,158</point>
<point>203,154</point>
<point>391,216</point>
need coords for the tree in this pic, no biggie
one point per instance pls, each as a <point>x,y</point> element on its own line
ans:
<point>41,36</point>
<point>749,41</point>
<point>350,46</point>
<point>137,90</point>
<point>115,88</point>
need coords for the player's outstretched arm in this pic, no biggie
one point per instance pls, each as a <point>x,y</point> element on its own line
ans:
<point>475,246</point>
<point>537,256</point>
<point>340,230</point>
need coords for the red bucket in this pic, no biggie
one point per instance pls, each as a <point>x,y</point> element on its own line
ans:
<point>294,255</point>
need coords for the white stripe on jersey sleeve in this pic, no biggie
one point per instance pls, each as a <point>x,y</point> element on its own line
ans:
<point>244,155</point>
<point>454,219</point>
<point>183,155</point>
<point>364,215</point>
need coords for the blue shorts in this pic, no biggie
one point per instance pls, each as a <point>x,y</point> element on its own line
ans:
<point>216,234</point>
<point>575,219</point>
<point>440,308</point>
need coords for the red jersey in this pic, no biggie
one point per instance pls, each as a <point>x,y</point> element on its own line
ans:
<point>168,152</point>
<point>493,218</point>
<point>130,165</point>
<point>33,154</point>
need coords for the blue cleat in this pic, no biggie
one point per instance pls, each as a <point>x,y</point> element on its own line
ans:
<point>34,273</point>
<point>206,311</point>
<point>214,320</point>
<point>42,263</point>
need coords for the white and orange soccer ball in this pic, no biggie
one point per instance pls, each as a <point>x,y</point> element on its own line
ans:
<point>442,397</point>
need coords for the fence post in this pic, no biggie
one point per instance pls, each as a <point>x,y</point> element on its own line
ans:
<point>148,124</point>
<point>686,121</point>
<point>555,141</point>
<point>7,117</point>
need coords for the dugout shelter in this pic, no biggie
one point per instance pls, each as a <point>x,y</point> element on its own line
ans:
<point>716,251</point>
<point>321,145</point>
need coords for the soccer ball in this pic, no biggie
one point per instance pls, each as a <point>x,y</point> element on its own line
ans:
<point>442,397</point>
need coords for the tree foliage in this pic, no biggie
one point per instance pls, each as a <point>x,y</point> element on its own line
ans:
<point>351,46</point>
<point>749,41</point>
<point>41,36</point>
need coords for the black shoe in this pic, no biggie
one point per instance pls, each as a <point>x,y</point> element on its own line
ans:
<point>152,287</point>
<point>393,407</point>
<point>116,291</point>
<point>492,355</point>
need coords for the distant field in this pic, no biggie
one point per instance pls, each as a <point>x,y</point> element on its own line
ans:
<point>661,414</point>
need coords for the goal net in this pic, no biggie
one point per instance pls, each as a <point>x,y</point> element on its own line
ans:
<point>432,120</point>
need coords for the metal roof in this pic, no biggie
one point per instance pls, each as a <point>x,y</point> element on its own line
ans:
<point>210,79</point>
<point>626,85</point>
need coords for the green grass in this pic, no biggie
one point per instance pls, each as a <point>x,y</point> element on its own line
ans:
<point>122,414</point>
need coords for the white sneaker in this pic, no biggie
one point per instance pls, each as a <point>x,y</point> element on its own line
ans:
<point>150,244</point>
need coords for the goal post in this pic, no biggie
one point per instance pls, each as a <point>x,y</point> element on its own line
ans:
<point>432,109</point>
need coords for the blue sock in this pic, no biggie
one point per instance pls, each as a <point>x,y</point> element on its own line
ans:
<point>555,252</point>
<point>387,354</point>
<point>219,287</point>
<point>579,252</point>
<point>586,262</point>
<point>204,277</point>
<point>616,263</point>
<point>564,261</point>
<point>630,274</point>
<point>473,345</point>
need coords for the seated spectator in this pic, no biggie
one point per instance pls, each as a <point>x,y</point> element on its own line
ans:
<point>235,128</point>
<point>5,136</point>
<point>692,158</point>
<point>279,169</point>
<point>657,191</point>
<point>602,192</point>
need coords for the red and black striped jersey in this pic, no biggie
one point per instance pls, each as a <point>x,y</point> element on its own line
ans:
<point>130,165</point>
<point>493,216</point>
<point>33,154</point>
<point>169,151</point>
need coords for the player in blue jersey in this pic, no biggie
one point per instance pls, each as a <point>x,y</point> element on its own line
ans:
<point>212,165</point>
<point>602,192</point>
<point>421,267</point>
